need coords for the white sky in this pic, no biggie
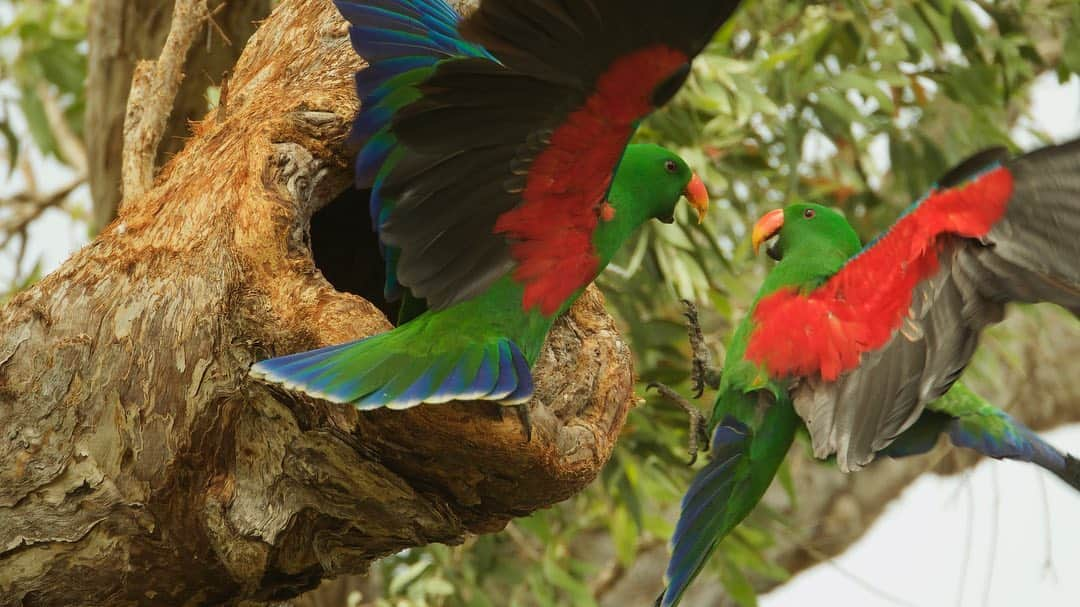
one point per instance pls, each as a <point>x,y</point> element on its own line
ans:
<point>1023,524</point>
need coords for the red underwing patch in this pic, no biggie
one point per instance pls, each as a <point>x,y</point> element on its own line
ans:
<point>552,229</point>
<point>859,309</point>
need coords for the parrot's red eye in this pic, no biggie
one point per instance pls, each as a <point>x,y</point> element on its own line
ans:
<point>808,213</point>
<point>670,166</point>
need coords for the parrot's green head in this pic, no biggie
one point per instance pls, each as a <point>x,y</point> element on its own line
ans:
<point>811,242</point>
<point>651,180</point>
<point>648,184</point>
<point>806,229</point>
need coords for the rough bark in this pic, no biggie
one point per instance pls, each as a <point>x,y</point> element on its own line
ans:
<point>122,32</point>
<point>142,466</point>
<point>1037,352</point>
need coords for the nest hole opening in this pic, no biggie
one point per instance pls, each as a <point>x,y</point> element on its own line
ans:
<point>346,249</point>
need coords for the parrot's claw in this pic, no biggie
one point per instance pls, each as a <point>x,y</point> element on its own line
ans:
<point>702,372</point>
<point>526,420</point>
<point>698,436</point>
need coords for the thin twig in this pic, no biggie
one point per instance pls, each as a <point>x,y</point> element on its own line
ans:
<point>824,559</point>
<point>1048,562</point>
<point>523,542</point>
<point>614,571</point>
<point>70,144</point>
<point>27,207</point>
<point>153,93</point>
<point>223,97</point>
<point>216,26</point>
<point>969,533</point>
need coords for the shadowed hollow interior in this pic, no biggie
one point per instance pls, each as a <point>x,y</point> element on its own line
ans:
<point>346,249</point>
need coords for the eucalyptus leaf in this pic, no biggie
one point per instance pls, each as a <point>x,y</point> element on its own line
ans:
<point>11,143</point>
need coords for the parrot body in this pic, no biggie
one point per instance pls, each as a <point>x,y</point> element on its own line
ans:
<point>483,347</point>
<point>496,152</point>
<point>864,344</point>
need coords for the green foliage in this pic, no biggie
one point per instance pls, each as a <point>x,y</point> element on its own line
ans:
<point>859,105</point>
<point>50,53</point>
<point>43,69</point>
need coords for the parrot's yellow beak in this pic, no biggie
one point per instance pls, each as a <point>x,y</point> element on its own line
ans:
<point>698,196</point>
<point>767,227</point>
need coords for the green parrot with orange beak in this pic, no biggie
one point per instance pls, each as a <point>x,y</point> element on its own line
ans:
<point>863,345</point>
<point>496,149</point>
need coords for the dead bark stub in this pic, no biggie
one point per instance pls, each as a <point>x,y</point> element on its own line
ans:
<point>122,32</point>
<point>142,466</point>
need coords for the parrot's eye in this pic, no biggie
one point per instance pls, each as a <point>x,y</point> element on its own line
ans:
<point>670,166</point>
<point>808,213</point>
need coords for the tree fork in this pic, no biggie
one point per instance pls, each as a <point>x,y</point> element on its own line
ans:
<point>140,463</point>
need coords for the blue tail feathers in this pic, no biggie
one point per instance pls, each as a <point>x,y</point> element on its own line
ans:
<point>704,516</point>
<point>371,373</point>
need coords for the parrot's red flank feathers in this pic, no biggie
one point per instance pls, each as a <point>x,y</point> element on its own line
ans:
<point>826,331</point>
<point>551,231</point>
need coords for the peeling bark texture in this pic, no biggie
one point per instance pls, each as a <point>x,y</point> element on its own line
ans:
<point>141,465</point>
<point>122,32</point>
<point>1037,356</point>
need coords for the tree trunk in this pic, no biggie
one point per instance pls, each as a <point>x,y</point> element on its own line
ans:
<point>142,466</point>
<point>123,32</point>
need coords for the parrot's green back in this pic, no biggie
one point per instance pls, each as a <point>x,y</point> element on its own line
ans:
<point>482,347</point>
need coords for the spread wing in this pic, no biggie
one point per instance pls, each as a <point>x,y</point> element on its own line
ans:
<point>499,155</point>
<point>896,326</point>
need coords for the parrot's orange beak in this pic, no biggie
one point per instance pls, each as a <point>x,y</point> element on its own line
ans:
<point>767,227</point>
<point>698,196</point>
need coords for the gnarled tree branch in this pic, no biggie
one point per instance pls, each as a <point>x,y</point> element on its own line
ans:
<point>143,466</point>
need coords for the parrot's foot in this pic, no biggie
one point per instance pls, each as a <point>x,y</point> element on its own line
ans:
<point>702,371</point>
<point>698,434</point>
<point>526,421</point>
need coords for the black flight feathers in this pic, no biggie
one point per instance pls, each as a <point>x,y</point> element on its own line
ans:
<point>480,124</point>
<point>574,41</point>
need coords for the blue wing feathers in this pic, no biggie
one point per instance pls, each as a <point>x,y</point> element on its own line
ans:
<point>459,380</point>
<point>486,375</point>
<point>372,81</point>
<point>507,381</point>
<point>302,367</point>
<point>985,429</point>
<point>401,40</point>
<point>1013,441</point>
